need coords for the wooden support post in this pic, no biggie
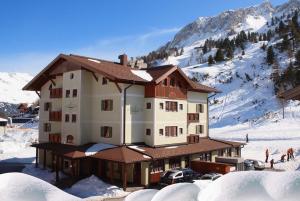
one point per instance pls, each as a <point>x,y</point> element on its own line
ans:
<point>124,174</point>
<point>36,157</point>
<point>111,172</point>
<point>37,93</point>
<point>52,81</point>
<point>45,159</point>
<point>118,86</point>
<point>57,168</point>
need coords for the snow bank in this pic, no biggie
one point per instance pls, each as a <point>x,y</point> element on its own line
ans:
<point>142,74</point>
<point>98,147</point>
<point>92,186</point>
<point>237,186</point>
<point>22,187</point>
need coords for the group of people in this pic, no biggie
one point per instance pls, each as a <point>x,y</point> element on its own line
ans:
<point>289,154</point>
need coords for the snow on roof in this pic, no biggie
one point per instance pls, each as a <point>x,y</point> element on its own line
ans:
<point>173,147</point>
<point>93,187</point>
<point>19,187</point>
<point>142,74</point>
<point>98,147</point>
<point>136,148</point>
<point>94,60</point>
<point>1,119</point>
<point>145,156</point>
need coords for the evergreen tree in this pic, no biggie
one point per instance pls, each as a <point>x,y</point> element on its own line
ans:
<point>205,49</point>
<point>285,45</point>
<point>210,60</point>
<point>181,51</point>
<point>219,55</point>
<point>270,55</point>
<point>229,53</point>
<point>243,52</point>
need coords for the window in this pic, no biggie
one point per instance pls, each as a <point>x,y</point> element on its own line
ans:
<point>73,118</point>
<point>66,164</point>
<point>158,166</point>
<point>47,106</point>
<point>165,82</point>
<point>205,157</point>
<point>67,93</point>
<point>106,131</point>
<point>47,127</point>
<point>107,105</point>
<point>174,163</point>
<point>104,81</point>
<point>148,131</point>
<point>181,106</point>
<point>70,139</point>
<point>67,118</point>
<point>74,92</point>
<point>199,129</point>
<point>200,108</point>
<point>180,130</point>
<point>171,106</point>
<point>172,82</point>
<point>161,106</point>
<point>71,76</point>
<point>171,131</point>
<point>148,105</point>
<point>50,86</point>
<point>161,131</point>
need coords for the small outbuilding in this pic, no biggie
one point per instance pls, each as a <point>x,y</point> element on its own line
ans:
<point>3,124</point>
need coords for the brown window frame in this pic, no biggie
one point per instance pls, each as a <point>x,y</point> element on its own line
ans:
<point>171,131</point>
<point>68,93</point>
<point>74,118</point>
<point>171,106</point>
<point>106,131</point>
<point>199,129</point>
<point>74,93</point>
<point>107,105</point>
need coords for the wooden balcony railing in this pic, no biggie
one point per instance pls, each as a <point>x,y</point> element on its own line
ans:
<point>55,137</point>
<point>55,116</point>
<point>56,93</point>
<point>193,117</point>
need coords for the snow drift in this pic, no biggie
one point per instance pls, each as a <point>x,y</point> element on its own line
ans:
<point>237,186</point>
<point>22,187</point>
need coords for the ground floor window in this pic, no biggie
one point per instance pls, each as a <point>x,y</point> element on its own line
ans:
<point>205,157</point>
<point>158,166</point>
<point>175,163</point>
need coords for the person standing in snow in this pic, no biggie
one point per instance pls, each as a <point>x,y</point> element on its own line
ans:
<point>267,155</point>
<point>292,153</point>
<point>247,138</point>
<point>272,163</point>
<point>282,158</point>
<point>288,153</point>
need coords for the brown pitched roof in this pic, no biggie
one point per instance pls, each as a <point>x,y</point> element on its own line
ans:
<point>112,70</point>
<point>121,154</point>
<point>292,94</point>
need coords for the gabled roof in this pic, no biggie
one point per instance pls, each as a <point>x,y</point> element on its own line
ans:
<point>292,94</point>
<point>112,70</point>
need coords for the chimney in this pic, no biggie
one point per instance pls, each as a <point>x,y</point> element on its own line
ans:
<point>123,59</point>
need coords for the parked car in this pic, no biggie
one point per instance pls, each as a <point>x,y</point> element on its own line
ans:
<point>178,176</point>
<point>251,164</point>
<point>210,176</point>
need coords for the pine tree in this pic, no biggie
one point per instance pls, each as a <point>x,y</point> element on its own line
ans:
<point>205,49</point>
<point>210,60</point>
<point>181,51</point>
<point>270,56</point>
<point>243,52</point>
<point>219,55</point>
<point>229,53</point>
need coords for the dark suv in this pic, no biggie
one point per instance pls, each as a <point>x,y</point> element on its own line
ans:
<point>178,176</point>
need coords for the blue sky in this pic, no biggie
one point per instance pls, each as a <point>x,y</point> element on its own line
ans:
<point>33,32</point>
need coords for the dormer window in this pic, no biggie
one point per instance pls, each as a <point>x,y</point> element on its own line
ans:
<point>172,82</point>
<point>165,82</point>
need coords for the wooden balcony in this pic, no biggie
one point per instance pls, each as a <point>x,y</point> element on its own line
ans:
<point>192,139</point>
<point>192,117</point>
<point>55,138</point>
<point>55,115</point>
<point>56,93</point>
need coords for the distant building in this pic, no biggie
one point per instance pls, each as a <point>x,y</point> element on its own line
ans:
<point>3,124</point>
<point>136,122</point>
<point>292,94</point>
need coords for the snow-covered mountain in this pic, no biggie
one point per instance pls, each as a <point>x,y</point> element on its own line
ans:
<point>244,100</point>
<point>11,85</point>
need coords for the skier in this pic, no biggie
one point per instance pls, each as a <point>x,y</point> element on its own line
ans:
<point>272,163</point>
<point>247,138</point>
<point>288,154</point>
<point>282,157</point>
<point>267,155</point>
<point>292,153</point>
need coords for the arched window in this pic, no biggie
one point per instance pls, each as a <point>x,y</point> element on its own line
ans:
<point>70,139</point>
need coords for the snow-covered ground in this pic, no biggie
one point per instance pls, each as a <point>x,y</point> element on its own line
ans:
<point>237,186</point>
<point>15,145</point>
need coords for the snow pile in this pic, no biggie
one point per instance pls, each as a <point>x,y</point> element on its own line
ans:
<point>98,147</point>
<point>142,74</point>
<point>22,187</point>
<point>15,145</point>
<point>141,195</point>
<point>236,186</point>
<point>95,188</point>
<point>11,85</point>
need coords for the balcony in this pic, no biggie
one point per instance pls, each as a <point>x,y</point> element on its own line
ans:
<point>192,139</point>
<point>56,93</point>
<point>55,138</point>
<point>55,116</point>
<point>193,117</point>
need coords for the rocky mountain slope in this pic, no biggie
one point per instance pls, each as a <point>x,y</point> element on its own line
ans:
<point>245,79</point>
